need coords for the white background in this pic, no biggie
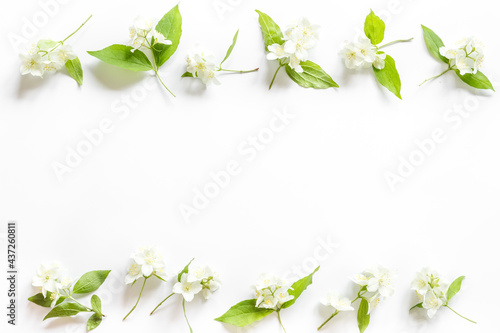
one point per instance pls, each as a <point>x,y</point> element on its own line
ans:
<point>319,180</point>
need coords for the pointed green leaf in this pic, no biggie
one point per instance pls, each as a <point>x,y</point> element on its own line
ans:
<point>65,310</point>
<point>187,74</point>
<point>363,316</point>
<point>46,44</point>
<point>94,321</point>
<point>454,287</point>
<point>389,76</point>
<point>313,76</point>
<point>244,313</point>
<point>122,56</point>
<point>45,301</point>
<point>74,68</point>
<point>478,80</point>
<point>433,43</point>
<point>170,26</point>
<point>95,302</point>
<point>298,288</point>
<point>374,28</point>
<point>271,32</point>
<point>419,305</point>
<point>184,270</point>
<point>90,282</point>
<point>230,50</point>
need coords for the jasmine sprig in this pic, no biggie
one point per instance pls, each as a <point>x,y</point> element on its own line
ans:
<point>433,292</point>
<point>290,49</point>
<point>57,292</point>
<point>48,56</point>
<point>190,282</point>
<point>366,52</point>
<point>160,41</point>
<point>200,64</point>
<point>273,294</point>
<point>465,59</point>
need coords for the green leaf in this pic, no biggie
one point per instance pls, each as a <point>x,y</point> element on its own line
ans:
<point>187,74</point>
<point>184,270</point>
<point>454,287</point>
<point>95,302</point>
<point>244,313</point>
<point>298,288</point>
<point>122,56</point>
<point>389,76</point>
<point>46,44</point>
<point>419,305</point>
<point>228,53</point>
<point>94,321</point>
<point>65,310</point>
<point>433,43</point>
<point>90,282</point>
<point>45,301</point>
<point>270,30</point>
<point>311,77</point>
<point>169,26</point>
<point>374,28</point>
<point>363,316</point>
<point>478,80</point>
<point>74,68</point>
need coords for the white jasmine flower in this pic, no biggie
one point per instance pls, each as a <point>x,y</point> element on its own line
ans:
<point>209,279</point>
<point>268,302</point>
<point>381,281</point>
<point>367,50</point>
<point>304,29</point>
<point>431,303</point>
<point>54,296</point>
<point>282,295</point>
<point>186,288</point>
<point>373,302</point>
<point>338,303</point>
<point>379,62</point>
<point>160,39</point>
<point>298,46</point>
<point>139,31</point>
<point>360,279</point>
<point>467,56</point>
<point>276,51</point>
<point>31,64</point>
<point>295,64</point>
<point>65,283</point>
<point>146,262</point>
<point>62,54</point>
<point>47,278</point>
<point>421,283</point>
<point>202,65</point>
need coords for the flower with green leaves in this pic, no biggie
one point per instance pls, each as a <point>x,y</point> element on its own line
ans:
<point>272,294</point>
<point>201,65</point>
<point>48,56</point>
<point>290,50</point>
<point>159,41</point>
<point>464,59</point>
<point>191,281</point>
<point>146,262</point>
<point>58,292</point>
<point>434,291</point>
<point>374,283</point>
<point>366,52</point>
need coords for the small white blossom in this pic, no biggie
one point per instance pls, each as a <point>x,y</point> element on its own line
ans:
<point>276,51</point>
<point>47,278</point>
<point>467,56</point>
<point>271,291</point>
<point>431,303</point>
<point>338,303</point>
<point>202,65</point>
<point>142,31</point>
<point>32,63</point>
<point>381,280</point>
<point>146,262</point>
<point>361,53</point>
<point>186,288</point>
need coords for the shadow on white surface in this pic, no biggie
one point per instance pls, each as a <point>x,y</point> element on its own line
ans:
<point>115,78</point>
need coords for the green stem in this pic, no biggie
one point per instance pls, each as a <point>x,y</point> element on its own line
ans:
<point>161,303</point>
<point>161,81</point>
<point>281,323</point>
<point>436,76</point>
<point>238,71</point>
<point>472,321</point>
<point>274,77</point>
<point>74,32</point>
<point>396,41</point>
<point>140,294</point>
<point>184,309</point>
<point>329,318</point>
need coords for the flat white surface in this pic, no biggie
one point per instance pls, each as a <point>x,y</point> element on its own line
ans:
<point>319,180</point>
